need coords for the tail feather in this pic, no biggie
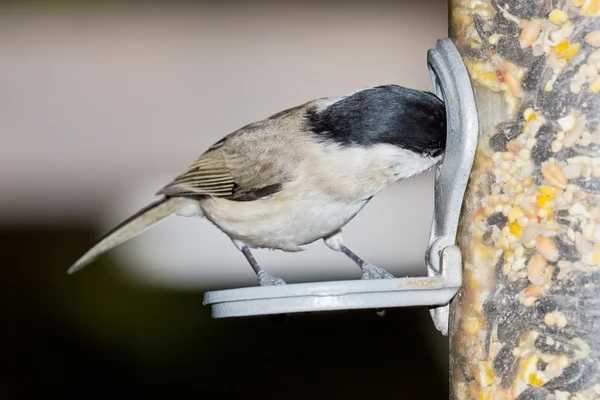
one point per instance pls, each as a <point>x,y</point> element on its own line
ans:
<point>132,226</point>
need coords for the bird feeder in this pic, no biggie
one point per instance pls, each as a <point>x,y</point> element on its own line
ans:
<point>526,322</point>
<point>443,258</point>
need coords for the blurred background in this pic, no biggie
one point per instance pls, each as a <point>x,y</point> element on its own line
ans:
<point>101,104</point>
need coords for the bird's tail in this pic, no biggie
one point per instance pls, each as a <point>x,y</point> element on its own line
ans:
<point>132,226</point>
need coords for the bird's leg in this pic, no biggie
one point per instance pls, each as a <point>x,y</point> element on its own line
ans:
<point>264,279</point>
<point>336,242</point>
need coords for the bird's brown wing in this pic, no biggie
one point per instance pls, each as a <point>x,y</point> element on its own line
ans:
<point>239,167</point>
<point>207,176</point>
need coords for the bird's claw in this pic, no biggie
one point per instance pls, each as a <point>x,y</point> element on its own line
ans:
<point>373,272</point>
<point>265,279</point>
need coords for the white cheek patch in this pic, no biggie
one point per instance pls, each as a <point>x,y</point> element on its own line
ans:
<point>410,163</point>
<point>403,163</point>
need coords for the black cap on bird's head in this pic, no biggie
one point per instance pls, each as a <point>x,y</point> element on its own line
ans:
<point>411,119</point>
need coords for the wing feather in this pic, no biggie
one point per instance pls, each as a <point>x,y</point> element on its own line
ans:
<point>207,176</point>
<point>240,166</point>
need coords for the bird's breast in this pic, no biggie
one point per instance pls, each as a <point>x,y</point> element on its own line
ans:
<point>285,221</point>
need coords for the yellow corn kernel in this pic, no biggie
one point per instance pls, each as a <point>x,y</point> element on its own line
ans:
<point>537,379</point>
<point>548,191</point>
<point>480,72</point>
<point>514,214</point>
<point>595,86</point>
<point>516,229</point>
<point>596,254</point>
<point>545,203</point>
<point>531,117</point>
<point>569,52</point>
<point>486,375</point>
<point>527,367</point>
<point>572,51</point>
<point>562,46</point>
<point>577,3</point>
<point>558,16</point>
<point>489,76</point>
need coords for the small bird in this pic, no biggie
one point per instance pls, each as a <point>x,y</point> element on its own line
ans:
<point>302,174</point>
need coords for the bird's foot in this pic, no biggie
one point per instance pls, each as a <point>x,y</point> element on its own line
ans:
<point>265,279</point>
<point>373,272</point>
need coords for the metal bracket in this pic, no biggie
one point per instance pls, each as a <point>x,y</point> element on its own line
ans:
<point>444,261</point>
<point>452,84</point>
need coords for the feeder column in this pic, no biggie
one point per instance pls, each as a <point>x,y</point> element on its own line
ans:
<point>526,323</point>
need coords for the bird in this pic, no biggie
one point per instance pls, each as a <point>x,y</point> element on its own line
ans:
<point>300,175</point>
